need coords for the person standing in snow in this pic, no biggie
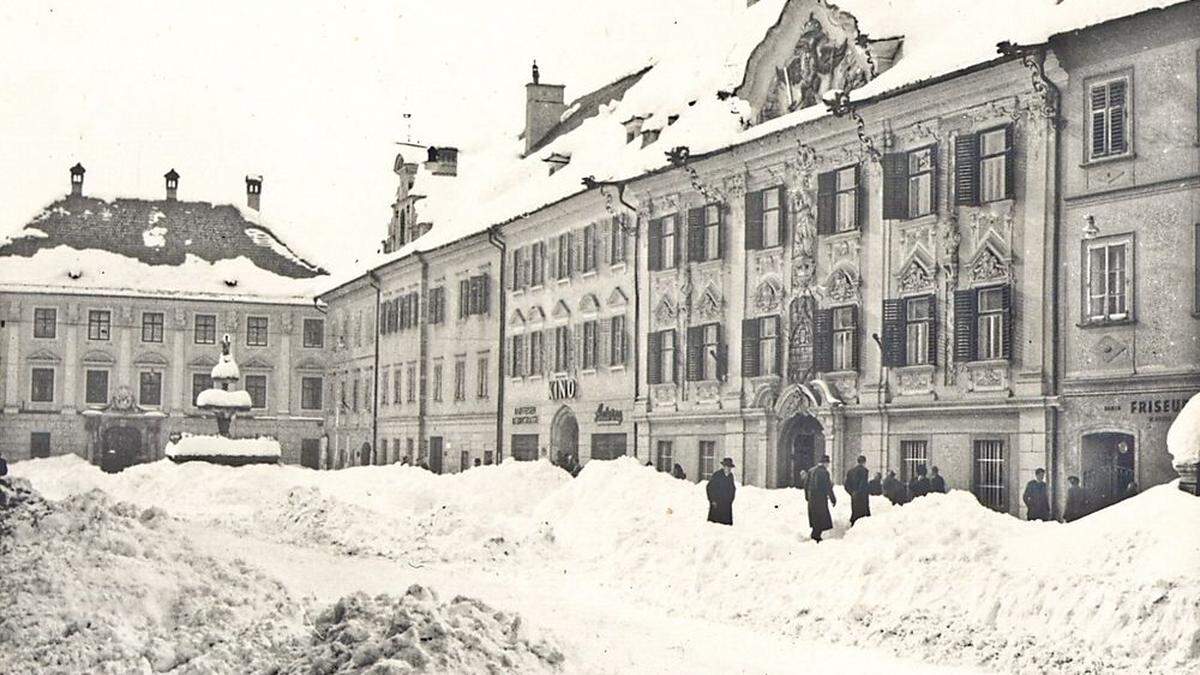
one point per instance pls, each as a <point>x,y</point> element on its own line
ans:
<point>1076,500</point>
<point>819,490</point>
<point>677,472</point>
<point>1037,497</point>
<point>856,484</point>
<point>720,494</point>
<point>893,489</point>
<point>936,482</point>
<point>875,485</point>
<point>919,485</point>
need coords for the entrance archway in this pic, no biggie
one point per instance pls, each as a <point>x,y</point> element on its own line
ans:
<point>801,444</point>
<point>122,448</point>
<point>564,435</point>
<point>1109,466</point>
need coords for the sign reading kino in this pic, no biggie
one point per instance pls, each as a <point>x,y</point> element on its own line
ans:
<point>563,388</point>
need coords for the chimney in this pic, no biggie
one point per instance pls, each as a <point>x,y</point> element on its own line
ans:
<point>172,184</point>
<point>442,161</point>
<point>543,109</point>
<point>77,172</point>
<point>253,191</point>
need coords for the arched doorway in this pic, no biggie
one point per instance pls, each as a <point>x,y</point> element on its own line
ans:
<point>122,448</point>
<point>364,455</point>
<point>1109,466</point>
<point>564,436</point>
<point>801,444</point>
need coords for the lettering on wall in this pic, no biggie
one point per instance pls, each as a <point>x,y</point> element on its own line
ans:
<point>607,415</point>
<point>563,388</point>
<point>525,414</point>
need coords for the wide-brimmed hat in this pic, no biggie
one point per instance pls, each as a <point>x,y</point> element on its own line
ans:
<point>727,462</point>
<point>824,459</point>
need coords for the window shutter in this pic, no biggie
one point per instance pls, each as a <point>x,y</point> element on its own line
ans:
<point>679,240</point>
<point>654,352</point>
<point>823,340</point>
<point>464,291</point>
<point>933,178</point>
<point>695,352</point>
<point>656,230</point>
<point>721,235</point>
<point>547,340</point>
<point>894,334</point>
<point>932,355</point>
<point>1010,163</point>
<point>754,220</point>
<point>966,170</point>
<point>750,360</point>
<point>895,188</point>
<point>695,220</point>
<point>604,246</point>
<point>1116,117</point>
<point>826,202</point>
<point>576,342</point>
<point>514,274</point>
<point>855,339</point>
<point>783,215</point>
<point>860,197</point>
<point>722,354</point>
<point>780,344</point>
<point>964,325</point>
<point>1099,100</point>
<point>603,343</point>
<point>675,356</point>
<point>1007,346</point>
<point>552,257</point>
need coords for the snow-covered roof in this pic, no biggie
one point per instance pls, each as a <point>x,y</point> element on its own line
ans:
<point>688,97</point>
<point>136,247</point>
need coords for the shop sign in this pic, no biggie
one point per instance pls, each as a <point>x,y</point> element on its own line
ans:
<point>562,388</point>
<point>607,415</point>
<point>525,414</point>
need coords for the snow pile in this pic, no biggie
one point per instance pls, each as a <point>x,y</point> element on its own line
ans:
<point>220,398</point>
<point>197,446</point>
<point>95,586</point>
<point>1183,438</point>
<point>417,633</point>
<point>226,368</point>
<point>155,237</point>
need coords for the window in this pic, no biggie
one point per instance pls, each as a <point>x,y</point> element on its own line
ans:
<point>525,447</point>
<point>984,166</point>
<point>202,382</point>
<point>41,388</point>
<point>537,263</point>
<point>310,392</point>
<point>397,386</point>
<point>204,329</point>
<point>704,352</point>
<point>474,293</point>
<point>912,455</point>
<point>664,457</point>
<point>845,342</point>
<point>761,346</point>
<point>663,253</point>
<point>608,446</point>
<point>412,383</point>
<point>562,349</point>
<point>95,387</point>
<point>152,327</point>
<point>314,333</point>
<point>45,322</point>
<point>982,324</point>
<point>616,341</point>
<point>436,305</point>
<point>517,275</point>
<point>481,377</point>
<point>617,245</point>
<point>256,386</point>
<point>589,248</point>
<point>563,264</point>
<point>590,344</point>
<point>537,349</point>
<point>708,458</point>
<point>909,331</point>
<point>704,233</point>
<point>99,324</point>
<point>661,348</point>
<point>765,218</point>
<point>919,320</point>
<point>988,479</point>
<point>437,381</point>
<point>1108,118</point>
<point>39,444</point>
<point>384,388</point>
<point>840,200</point>
<point>1108,273</point>
<point>910,183</point>
<point>460,380</point>
<point>150,387</point>
<point>517,355</point>
<point>256,331</point>
<point>354,390</point>
<point>847,199</point>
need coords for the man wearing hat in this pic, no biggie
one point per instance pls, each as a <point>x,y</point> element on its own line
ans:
<point>856,484</point>
<point>819,491</point>
<point>720,494</point>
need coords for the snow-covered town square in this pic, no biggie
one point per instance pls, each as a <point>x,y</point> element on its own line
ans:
<point>600,337</point>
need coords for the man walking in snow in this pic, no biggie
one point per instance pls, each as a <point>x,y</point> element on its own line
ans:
<point>720,494</point>
<point>893,489</point>
<point>875,485</point>
<point>819,491</point>
<point>856,484</point>
<point>919,485</point>
<point>936,482</point>
<point>1037,497</point>
<point>677,472</point>
<point>1076,500</point>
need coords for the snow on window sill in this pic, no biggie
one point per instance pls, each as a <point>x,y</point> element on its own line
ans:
<point>916,368</point>
<point>617,367</point>
<point>588,371</point>
<point>618,266</point>
<point>1096,161</point>
<point>588,274</point>
<point>1105,322</point>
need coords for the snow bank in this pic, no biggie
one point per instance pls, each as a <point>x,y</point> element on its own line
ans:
<point>417,633</point>
<point>219,446</point>
<point>1183,438</point>
<point>213,398</point>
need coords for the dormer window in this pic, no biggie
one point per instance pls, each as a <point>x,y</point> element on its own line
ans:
<point>649,136</point>
<point>557,161</point>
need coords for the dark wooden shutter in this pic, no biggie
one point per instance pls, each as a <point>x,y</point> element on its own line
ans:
<point>464,293</point>
<point>823,340</point>
<point>894,334</point>
<point>1007,336</point>
<point>1117,105</point>
<point>780,344</point>
<point>895,187</point>
<point>861,203</point>
<point>722,354</point>
<point>1010,163</point>
<point>1099,100</point>
<point>679,240</point>
<point>855,339</point>
<point>721,234</point>
<point>695,236</point>
<point>695,353</point>
<point>485,294</point>
<point>754,220</point>
<point>750,335</point>
<point>514,275</point>
<point>656,231</point>
<point>572,252</point>
<point>552,257</point>
<point>933,177</point>
<point>654,354</point>
<point>932,355</point>
<point>965,303</point>
<point>966,170</point>
<point>783,215</point>
<point>675,356</point>
<point>826,202</point>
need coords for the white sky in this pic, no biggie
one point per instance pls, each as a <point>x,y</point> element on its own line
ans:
<point>310,94</point>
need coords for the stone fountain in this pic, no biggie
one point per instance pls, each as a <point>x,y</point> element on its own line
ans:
<point>220,400</point>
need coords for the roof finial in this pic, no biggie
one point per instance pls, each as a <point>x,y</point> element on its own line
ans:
<point>536,74</point>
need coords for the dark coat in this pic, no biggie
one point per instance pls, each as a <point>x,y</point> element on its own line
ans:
<point>678,473</point>
<point>918,487</point>
<point>856,484</point>
<point>720,498</point>
<point>819,491</point>
<point>894,490</point>
<point>875,487</point>
<point>937,484</point>
<point>1076,503</point>
<point>3,467</point>
<point>1037,500</point>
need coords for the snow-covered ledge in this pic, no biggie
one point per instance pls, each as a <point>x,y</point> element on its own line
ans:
<point>1183,443</point>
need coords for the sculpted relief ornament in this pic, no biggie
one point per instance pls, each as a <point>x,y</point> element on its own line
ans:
<point>768,296</point>
<point>843,287</point>
<point>915,278</point>
<point>824,57</point>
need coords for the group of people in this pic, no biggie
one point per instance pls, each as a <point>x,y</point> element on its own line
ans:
<point>1037,498</point>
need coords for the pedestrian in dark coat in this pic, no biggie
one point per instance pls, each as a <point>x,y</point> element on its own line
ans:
<point>720,494</point>
<point>894,490</point>
<point>1037,497</point>
<point>677,472</point>
<point>819,491</point>
<point>3,466</point>
<point>875,485</point>
<point>936,482</point>
<point>919,485</point>
<point>1076,507</point>
<point>856,484</point>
